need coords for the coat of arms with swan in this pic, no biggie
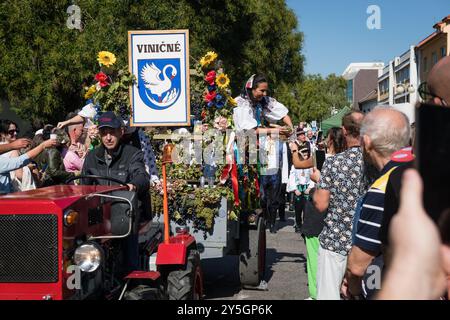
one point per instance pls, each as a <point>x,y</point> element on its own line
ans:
<point>159,88</point>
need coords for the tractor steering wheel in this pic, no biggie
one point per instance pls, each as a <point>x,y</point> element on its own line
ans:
<point>96,177</point>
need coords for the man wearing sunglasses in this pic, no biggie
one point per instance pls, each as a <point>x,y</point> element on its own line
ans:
<point>437,89</point>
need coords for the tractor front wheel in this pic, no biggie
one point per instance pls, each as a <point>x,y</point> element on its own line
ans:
<point>186,284</point>
<point>143,292</point>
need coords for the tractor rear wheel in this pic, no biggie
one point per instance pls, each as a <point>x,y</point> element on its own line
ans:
<point>186,284</point>
<point>252,258</point>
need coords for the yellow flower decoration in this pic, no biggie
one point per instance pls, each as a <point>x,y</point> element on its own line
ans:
<point>208,58</point>
<point>222,81</point>
<point>90,92</point>
<point>232,102</point>
<point>106,58</point>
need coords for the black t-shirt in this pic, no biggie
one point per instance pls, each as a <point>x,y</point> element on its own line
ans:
<point>313,220</point>
<point>392,200</point>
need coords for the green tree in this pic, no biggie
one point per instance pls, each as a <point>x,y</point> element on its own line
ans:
<point>314,98</point>
<point>44,65</point>
<point>335,87</point>
<point>288,94</point>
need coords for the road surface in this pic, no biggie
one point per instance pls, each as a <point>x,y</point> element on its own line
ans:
<point>285,270</point>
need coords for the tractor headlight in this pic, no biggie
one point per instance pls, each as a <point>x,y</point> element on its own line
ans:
<point>70,218</point>
<point>87,257</point>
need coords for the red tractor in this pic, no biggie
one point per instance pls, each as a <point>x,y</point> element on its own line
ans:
<point>71,242</point>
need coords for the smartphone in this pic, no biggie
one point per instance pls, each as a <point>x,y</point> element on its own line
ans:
<point>433,157</point>
<point>320,156</point>
<point>319,136</point>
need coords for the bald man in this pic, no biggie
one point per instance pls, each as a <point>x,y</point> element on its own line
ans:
<point>439,82</point>
<point>383,132</point>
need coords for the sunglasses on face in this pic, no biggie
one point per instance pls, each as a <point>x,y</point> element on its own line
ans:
<point>424,93</point>
<point>427,95</point>
<point>11,132</point>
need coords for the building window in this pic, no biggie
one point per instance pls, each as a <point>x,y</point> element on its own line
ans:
<point>404,99</point>
<point>384,86</point>
<point>350,90</point>
<point>434,58</point>
<point>443,52</point>
<point>402,76</point>
<point>425,64</point>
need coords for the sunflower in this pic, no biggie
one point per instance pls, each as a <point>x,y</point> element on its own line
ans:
<point>208,58</point>
<point>106,58</point>
<point>90,92</point>
<point>222,81</point>
<point>232,102</point>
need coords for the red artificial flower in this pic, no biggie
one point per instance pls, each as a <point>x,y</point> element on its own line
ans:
<point>210,77</point>
<point>210,96</point>
<point>102,79</point>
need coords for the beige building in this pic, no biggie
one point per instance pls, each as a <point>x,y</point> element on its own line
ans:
<point>398,83</point>
<point>433,48</point>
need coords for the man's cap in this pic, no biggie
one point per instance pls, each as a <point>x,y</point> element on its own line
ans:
<point>300,131</point>
<point>109,119</point>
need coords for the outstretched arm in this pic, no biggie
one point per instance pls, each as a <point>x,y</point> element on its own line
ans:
<point>75,120</point>
<point>15,145</point>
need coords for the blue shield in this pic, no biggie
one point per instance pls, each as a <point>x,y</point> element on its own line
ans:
<point>159,82</point>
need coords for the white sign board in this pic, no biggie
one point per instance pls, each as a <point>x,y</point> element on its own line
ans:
<point>160,62</point>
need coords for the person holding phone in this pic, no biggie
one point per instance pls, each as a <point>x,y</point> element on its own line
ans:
<point>341,184</point>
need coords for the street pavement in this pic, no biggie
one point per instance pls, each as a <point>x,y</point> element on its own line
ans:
<point>285,270</point>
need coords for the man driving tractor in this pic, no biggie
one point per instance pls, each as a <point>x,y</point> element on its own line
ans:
<point>115,159</point>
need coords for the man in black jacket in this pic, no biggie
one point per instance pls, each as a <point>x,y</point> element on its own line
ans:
<point>115,159</point>
<point>121,161</point>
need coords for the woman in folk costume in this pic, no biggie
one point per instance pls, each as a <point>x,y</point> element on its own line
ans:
<point>255,110</point>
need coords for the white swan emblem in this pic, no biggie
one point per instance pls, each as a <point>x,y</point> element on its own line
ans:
<point>152,79</point>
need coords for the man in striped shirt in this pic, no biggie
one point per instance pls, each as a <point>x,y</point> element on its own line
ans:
<point>383,132</point>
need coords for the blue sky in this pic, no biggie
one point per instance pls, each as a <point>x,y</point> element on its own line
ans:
<point>336,32</point>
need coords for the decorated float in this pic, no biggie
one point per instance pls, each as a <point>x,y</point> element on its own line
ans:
<point>217,201</point>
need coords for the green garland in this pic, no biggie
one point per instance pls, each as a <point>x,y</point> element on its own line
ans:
<point>189,204</point>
